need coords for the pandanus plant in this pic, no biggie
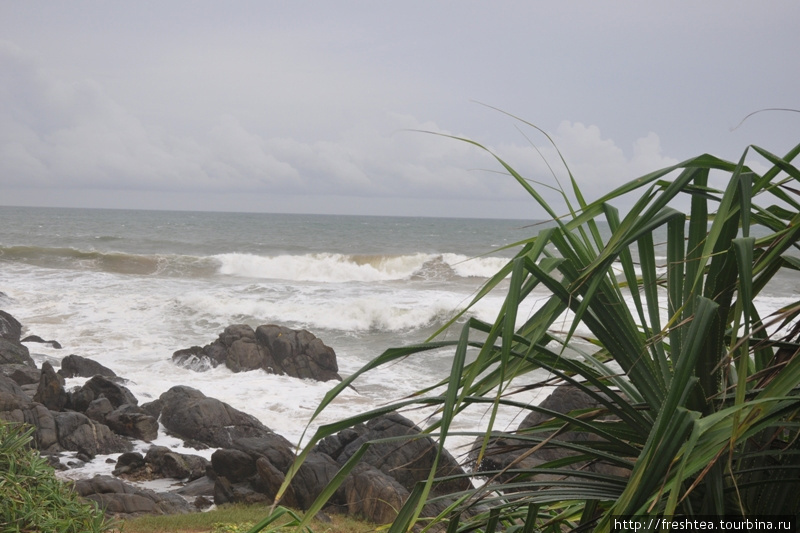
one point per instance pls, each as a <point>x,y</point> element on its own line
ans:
<point>695,390</point>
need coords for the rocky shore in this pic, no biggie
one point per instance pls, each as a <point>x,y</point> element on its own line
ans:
<point>249,460</point>
<point>239,459</point>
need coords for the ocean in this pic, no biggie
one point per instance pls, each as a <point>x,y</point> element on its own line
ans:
<point>128,288</point>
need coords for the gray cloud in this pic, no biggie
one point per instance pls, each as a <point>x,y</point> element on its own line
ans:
<point>315,108</point>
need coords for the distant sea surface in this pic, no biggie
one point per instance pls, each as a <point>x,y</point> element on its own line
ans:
<point>128,288</point>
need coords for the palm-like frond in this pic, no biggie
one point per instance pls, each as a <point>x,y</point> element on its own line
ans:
<point>696,392</point>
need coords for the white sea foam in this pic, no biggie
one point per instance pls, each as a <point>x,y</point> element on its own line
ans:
<point>339,268</point>
<point>360,296</point>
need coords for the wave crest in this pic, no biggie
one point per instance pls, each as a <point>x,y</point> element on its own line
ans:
<point>338,268</point>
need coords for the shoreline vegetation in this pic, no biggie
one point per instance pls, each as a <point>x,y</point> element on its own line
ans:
<point>695,403</point>
<point>684,409</point>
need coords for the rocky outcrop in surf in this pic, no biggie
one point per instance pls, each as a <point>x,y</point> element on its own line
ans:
<point>250,461</point>
<point>274,349</point>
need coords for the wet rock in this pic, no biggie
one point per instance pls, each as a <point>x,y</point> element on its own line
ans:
<point>36,338</point>
<point>274,349</point>
<point>408,461</point>
<point>188,413</point>
<point>235,465</point>
<point>10,328</point>
<point>79,433</point>
<point>102,387</point>
<point>77,366</point>
<point>22,374</point>
<point>122,500</point>
<point>50,391</point>
<point>99,409</point>
<point>132,421</point>
<point>502,452</point>
<point>373,495</point>
<point>166,463</point>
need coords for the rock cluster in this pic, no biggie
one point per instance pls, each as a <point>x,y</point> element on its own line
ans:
<point>510,452</point>
<point>250,461</point>
<point>274,349</point>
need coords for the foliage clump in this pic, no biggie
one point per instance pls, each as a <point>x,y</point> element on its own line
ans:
<point>33,498</point>
<point>655,314</point>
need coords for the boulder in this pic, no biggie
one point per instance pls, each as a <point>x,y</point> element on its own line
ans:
<point>312,477</point>
<point>122,500</point>
<point>79,433</point>
<point>166,463</point>
<point>128,463</point>
<point>234,465</point>
<point>22,374</point>
<point>10,328</point>
<point>373,495</point>
<point>132,421</point>
<point>99,409</point>
<point>77,366</point>
<point>15,354</point>
<point>189,414</point>
<point>11,349</point>
<point>274,349</point>
<point>407,460</point>
<point>502,452</point>
<point>37,338</point>
<point>15,406</point>
<point>50,392</point>
<point>102,387</point>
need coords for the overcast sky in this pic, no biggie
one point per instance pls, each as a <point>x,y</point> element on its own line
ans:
<point>311,106</point>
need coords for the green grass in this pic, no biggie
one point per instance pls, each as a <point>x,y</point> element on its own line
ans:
<point>237,518</point>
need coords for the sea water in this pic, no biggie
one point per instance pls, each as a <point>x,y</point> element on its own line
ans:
<point>128,288</point>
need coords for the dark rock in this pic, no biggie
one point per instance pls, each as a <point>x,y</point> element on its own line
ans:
<point>194,358</point>
<point>16,406</point>
<point>234,465</point>
<point>79,433</point>
<point>227,492</point>
<point>274,349</point>
<point>11,350</point>
<point>202,503</point>
<point>10,328</point>
<point>373,495</point>
<point>502,452</point>
<point>128,462</point>
<point>122,500</point>
<point>167,463</point>
<point>311,478</point>
<point>407,461</point>
<point>102,387</point>
<point>15,354</point>
<point>188,413</point>
<point>30,390</point>
<point>50,392</point>
<point>36,338</point>
<point>274,447</point>
<point>297,353</point>
<point>203,486</point>
<point>22,374</point>
<point>77,366</point>
<point>153,408</point>
<point>132,421</point>
<point>99,409</point>
<point>270,480</point>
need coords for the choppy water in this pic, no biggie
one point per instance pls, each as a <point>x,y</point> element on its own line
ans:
<point>128,288</point>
